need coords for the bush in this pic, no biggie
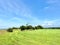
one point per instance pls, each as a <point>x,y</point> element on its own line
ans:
<point>35,27</point>
<point>10,30</point>
<point>29,27</point>
<point>22,27</point>
<point>38,27</point>
<point>14,28</point>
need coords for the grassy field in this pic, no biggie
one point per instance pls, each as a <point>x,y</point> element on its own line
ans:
<point>36,37</point>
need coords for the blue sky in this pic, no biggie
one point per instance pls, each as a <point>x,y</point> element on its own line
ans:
<point>14,13</point>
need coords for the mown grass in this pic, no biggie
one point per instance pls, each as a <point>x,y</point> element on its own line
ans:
<point>33,37</point>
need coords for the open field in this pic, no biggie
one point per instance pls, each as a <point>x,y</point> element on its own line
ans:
<point>34,37</point>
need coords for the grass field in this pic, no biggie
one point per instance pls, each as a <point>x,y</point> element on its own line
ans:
<point>36,37</point>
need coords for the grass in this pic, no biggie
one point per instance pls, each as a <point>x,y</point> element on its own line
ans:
<point>34,37</point>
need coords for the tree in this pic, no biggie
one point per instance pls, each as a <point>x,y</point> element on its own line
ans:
<point>39,27</point>
<point>29,27</point>
<point>35,27</point>
<point>10,30</point>
<point>14,28</point>
<point>22,27</point>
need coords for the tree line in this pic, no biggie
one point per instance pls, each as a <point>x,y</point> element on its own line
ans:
<point>30,27</point>
<point>53,28</point>
<point>27,27</point>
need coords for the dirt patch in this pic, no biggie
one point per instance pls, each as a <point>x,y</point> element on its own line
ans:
<point>2,32</point>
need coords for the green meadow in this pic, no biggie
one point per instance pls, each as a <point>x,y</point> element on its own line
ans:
<point>33,37</point>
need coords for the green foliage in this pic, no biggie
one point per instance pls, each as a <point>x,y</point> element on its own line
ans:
<point>29,27</point>
<point>36,27</point>
<point>22,27</point>
<point>39,27</point>
<point>53,28</point>
<point>33,28</point>
<point>10,30</point>
<point>14,28</point>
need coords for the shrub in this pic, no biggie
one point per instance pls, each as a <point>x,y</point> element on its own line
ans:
<point>14,28</point>
<point>10,30</point>
<point>38,27</point>
<point>29,27</point>
<point>22,27</point>
<point>33,28</point>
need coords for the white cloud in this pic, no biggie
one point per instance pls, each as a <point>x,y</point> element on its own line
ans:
<point>46,8</point>
<point>52,1</point>
<point>14,7</point>
<point>51,23</point>
<point>14,10</point>
<point>48,23</point>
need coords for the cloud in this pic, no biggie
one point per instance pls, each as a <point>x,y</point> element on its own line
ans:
<point>14,7</point>
<point>48,23</point>
<point>51,23</point>
<point>52,1</point>
<point>46,8</point>
<point>55,3</point>
<point>14,22</point>
<point>15,13</point>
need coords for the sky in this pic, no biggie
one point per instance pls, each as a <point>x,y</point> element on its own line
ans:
<point>14,13</point>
